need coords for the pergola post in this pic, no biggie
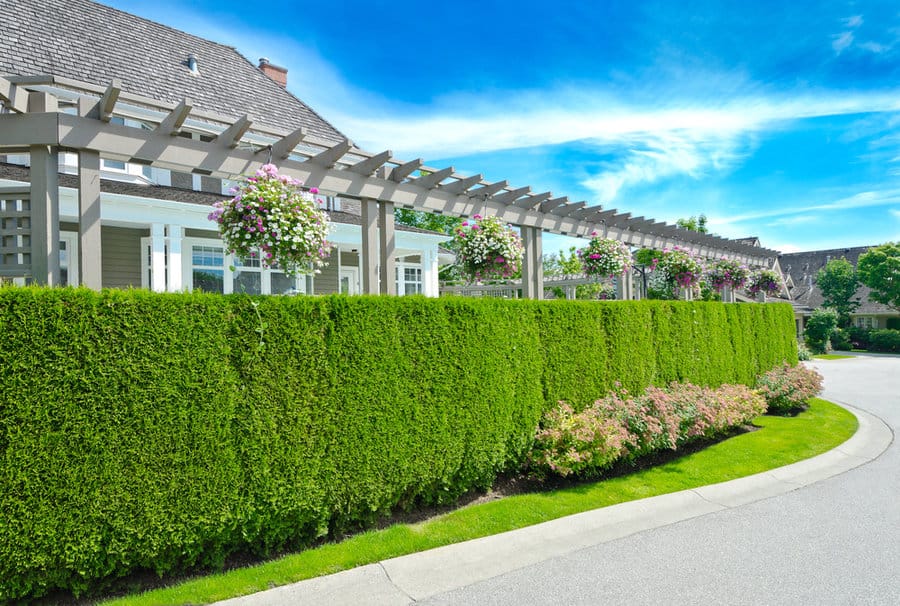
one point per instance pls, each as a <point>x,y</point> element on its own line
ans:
<point>727,294</point>
<point>45,215</point>
<point>625,285</point>
<point>387,247</point>
<point>158,257</point>
<point>89,250</point>
<point>174,277</point>
<point>532,265</point>
<point>369,251</point>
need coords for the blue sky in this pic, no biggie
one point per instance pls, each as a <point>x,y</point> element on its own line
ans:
<point>775,119</point>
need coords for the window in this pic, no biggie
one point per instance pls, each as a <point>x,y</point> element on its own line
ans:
<point>409,280</point>
<point>208,268</point>
<point>247,276</point>
<point>865,322</point>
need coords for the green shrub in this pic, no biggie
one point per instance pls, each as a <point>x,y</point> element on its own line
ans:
<point>819,328</point>
<point>885,340</point>
<point>859,337</point>
<point>788,388</point>
<point>893,323</point>
<point>803,354</point>
<point>164,432</point>
<point>620,427</point>
<point>840,340</point>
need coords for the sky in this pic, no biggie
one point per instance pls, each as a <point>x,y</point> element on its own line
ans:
<point>779,120</point>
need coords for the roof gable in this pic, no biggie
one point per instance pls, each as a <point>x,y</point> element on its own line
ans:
<point>94,43</point>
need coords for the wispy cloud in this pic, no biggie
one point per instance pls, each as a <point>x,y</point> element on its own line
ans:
<point>841,42</point>
<point>861,200</point>
<point>896,213</point>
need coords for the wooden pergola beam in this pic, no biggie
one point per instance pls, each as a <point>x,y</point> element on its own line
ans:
<point>568,209</point>
<point>14,97</point>
<point>508,197</point>
<point>368,166</point>
<point>282,148</point>
<point>330,157</point>
<point>231,136</point>
<point>462,185</point>
<point>488,190</point>
<point>172,123</point>
<point>107,103</point>
<point>431,180</point>
<point>533,201</point>
<point>399,173</point>
<point>553,203</point>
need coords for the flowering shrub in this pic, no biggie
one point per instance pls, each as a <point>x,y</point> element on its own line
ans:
<point>681,267</point>
<point>787,388</point>
<point>605,257</point>
<point>620,427</point>
<point>270,215</point>
<point>487,249</point>
<point>764,280</point>
<point>726,272</point>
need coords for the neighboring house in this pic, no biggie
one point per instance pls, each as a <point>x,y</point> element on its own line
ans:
<point>154,227</point>
<point>801,270</point>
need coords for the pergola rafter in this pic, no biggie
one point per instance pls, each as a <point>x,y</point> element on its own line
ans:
<point>335,167</point>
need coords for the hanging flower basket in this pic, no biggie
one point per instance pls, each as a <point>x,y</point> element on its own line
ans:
<point>487,249</point>
<point>605,257</point>
<point>764,281</point>
<point>726,272</point>
<point>271,216</point>
<point>680,266</point>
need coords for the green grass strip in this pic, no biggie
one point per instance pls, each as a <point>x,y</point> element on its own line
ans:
<point>831,357</point>
<point>781,441</point>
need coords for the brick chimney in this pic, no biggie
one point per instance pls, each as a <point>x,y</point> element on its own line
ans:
<point>275,72</point>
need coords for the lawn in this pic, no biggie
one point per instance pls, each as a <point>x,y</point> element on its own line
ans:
<point>779,441</point>
<point>831,357</point>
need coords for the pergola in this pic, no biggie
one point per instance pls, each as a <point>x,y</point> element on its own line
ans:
<point>48,114</point>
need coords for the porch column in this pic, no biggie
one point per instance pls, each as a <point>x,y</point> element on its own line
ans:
<point>45,215</point>
<point>158,257</point>
<point>89,252</point>
<point>174,277</point>
<point>368,254</point>
<point>387,248</point>
<point>532,265</point>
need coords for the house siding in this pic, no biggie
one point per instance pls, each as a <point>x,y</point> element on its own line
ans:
<point>326,283</point>
<point>121,256</point>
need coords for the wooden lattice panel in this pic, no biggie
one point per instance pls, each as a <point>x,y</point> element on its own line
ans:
<point>15,235</point>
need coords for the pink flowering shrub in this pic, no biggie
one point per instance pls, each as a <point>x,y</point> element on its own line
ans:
<point>272,217</point>
<point>620,427</point>
<point>787,388</point>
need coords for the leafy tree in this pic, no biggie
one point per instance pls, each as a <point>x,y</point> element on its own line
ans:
<point>819,329</point>
<point>838,282</point>
<point>697,224</point>
<point>443,224</point>
<point>879,269</point>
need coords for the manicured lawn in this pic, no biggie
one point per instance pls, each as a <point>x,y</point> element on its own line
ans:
<point>780,441</point>
<point>831,357</point>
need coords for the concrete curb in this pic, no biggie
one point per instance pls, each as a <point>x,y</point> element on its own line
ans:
<point>417,576</point>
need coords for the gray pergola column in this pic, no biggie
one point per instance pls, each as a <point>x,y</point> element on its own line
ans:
<point>45,215</point>
<point>532,264</point>
<point>89,252</point>
<point>387,248</point>
<point>370,246</point>
<point>625,285</point>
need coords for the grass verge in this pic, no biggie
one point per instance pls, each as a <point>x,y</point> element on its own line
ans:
<point>780,441</point>
<point>831,357</point>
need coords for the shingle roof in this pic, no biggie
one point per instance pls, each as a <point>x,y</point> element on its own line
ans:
<point>803,267</point>
<point>93,43</point>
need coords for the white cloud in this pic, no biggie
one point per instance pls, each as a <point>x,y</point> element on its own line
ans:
<point>896,213</point>
<point>861,200</point>
<point>840,42</point>
<point>854,21</point>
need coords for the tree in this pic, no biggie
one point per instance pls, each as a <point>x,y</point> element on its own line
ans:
<point>819,329</point>
<point>697,224</point>
<point>563,264</point>
<point>879,269</point>
<point>838,282</point>
<point>443,224</point>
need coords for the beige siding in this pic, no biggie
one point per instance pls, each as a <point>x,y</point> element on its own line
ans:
<point>121,256</point>
<point>202,233</point>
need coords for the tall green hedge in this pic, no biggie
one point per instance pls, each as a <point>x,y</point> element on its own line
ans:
<point>166,431</point>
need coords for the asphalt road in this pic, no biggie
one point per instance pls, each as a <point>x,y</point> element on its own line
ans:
<point>833,542</point>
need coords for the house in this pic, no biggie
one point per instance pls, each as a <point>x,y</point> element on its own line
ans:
<point>801,270</point>
<point>154,230</point>
<point>116,133</point>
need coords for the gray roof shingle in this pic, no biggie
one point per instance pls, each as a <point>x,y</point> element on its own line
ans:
<point>803,267</point>
<point>94,43</point>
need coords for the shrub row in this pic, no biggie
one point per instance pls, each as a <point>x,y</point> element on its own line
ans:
<point>787,388</point>
<point>885,340</point>
<point>619,427</point>
<point>167,431</point>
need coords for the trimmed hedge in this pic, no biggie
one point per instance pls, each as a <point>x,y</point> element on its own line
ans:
<point>167,431</point>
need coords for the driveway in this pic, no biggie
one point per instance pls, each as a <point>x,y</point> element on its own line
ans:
<point>833,542</point>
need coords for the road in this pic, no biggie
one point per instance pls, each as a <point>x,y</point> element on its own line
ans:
<point>833,542</point>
